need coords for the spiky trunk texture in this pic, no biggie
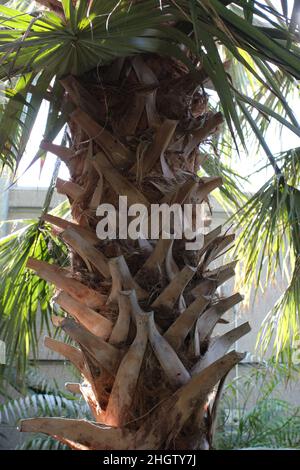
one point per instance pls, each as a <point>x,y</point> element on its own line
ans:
<point>141,313</point>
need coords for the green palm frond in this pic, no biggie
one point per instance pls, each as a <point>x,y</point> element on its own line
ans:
<point>39,383</point>
<point>268,244</point>
<point>33,381</point>
<point>31,405</point>
<point>269,223</point>
<point>290,162</point>
<point>272,423</point>
<point>253,415</point>
<point>42,395</point>
<point>84,40</point>
<point>264,105</point>
<point>282,324</point>
<point>40,404</point>
<point>22,294</point>
<point>41,46</point>
<point>42,443</point>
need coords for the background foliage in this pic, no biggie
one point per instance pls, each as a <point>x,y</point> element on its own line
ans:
<point>253,414</point>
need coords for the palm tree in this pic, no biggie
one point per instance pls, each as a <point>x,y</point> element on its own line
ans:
<point>129,78</point>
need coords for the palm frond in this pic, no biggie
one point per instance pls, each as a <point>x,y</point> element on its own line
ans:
<point>38,383</point>
<point>268,244</point>
<point>42,395</point>
<point>254,415</point>
<point>39,46</point>
<point>31,405</point>
<point>40,404</point>
<point>282,324</point>
<point>271,217</point>
<point>22,294</point>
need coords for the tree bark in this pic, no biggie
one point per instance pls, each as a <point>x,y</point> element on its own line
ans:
<point>142,313</point>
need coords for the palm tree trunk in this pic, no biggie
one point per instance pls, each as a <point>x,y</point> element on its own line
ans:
<point>141,313</point>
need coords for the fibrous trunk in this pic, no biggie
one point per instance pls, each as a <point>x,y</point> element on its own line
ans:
<point>141,312</point>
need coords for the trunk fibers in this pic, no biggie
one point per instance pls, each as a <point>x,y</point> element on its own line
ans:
<point>141,314</point>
